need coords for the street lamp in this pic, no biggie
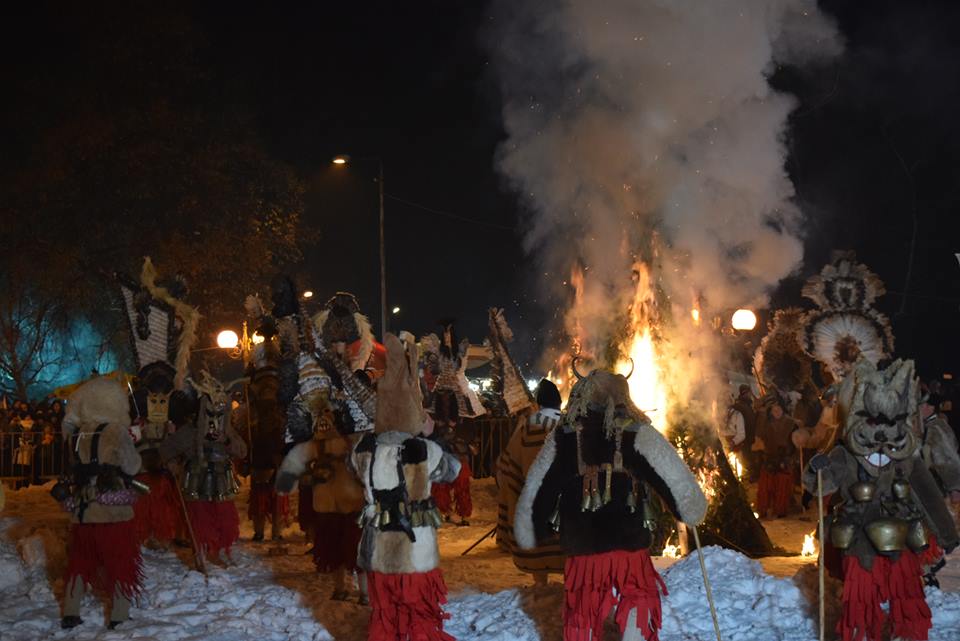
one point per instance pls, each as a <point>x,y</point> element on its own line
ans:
<point>342,161</point>
<point>227,339</point>
<point>743,320</point>
<point>308,294</point>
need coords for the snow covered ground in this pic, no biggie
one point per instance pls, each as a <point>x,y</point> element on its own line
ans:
<point>279,597</point>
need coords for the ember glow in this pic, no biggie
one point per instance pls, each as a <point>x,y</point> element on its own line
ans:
<point>809,545</point>
<point>672,551</point>
<point>735,465</point>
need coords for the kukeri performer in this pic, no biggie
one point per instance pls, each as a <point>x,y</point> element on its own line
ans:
<point>103,551</point>
<point>512,468</point>
<point>157,514</point>
<point>208,446</point>
<point>331,406</point>
<point>451,400</point>
<point>266,417</point>
<point>399,545</point>
<point>589,484</point>
<point>890,504</point>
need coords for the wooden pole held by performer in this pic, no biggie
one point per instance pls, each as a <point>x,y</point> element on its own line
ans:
<point>706,583</point>
<point>480,540</point>
<point>821,560</point>
<point>197,552</point>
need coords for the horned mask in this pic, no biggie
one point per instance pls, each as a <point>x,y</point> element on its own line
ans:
<point>878,408</point>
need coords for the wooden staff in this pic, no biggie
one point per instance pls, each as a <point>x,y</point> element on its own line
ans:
<point>820,563</point>
<point>480,540</point>
<point>197,552</point>
<point>706,584</point>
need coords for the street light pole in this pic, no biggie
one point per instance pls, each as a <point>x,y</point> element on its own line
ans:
<point>383,263</point>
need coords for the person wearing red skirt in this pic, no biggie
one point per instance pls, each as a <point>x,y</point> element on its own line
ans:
<point>103,551</point>
<point>588,483</point>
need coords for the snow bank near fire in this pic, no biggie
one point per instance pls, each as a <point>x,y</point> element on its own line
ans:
<point>235,604</point>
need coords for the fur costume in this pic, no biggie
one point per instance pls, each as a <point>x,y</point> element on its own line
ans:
<point>588,482</point>
<point>512,468</point>
<point>103,550</point>
<point>445,364</point>
<point>209,445</point>
<point>332,404</point>
<point>264,416</point>
<point>938,448</point>
<point>398,549</point>
<point>846,326</point>
<point>887,504</point>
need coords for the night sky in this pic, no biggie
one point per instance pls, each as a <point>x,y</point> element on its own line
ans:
<point>874,139</point>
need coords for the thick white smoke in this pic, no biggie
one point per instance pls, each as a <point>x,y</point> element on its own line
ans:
<point>631,117</point>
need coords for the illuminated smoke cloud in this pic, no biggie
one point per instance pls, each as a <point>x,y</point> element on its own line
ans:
<point>625,116</point>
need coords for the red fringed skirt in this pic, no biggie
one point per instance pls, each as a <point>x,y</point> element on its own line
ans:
<point>407,607</point>
<point>589,584</point>
<point>335,541</point>
<point>460,488</point>
<point>216,525</point>
<point>898,582</point>
<point>106,556</point>
<point>262,499</point>
<point>157,513</point>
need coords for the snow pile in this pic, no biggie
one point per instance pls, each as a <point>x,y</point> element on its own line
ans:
<point>946,613</point>
<point>242,602</point>
<point>492,617</point>
<point>751,605</point>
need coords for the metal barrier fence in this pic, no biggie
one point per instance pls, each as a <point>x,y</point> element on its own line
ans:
<point>491,436</point>
<point>29,456</point>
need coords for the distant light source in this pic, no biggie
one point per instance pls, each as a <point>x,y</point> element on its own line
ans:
<point>948,376</point>
<point>743,320</point>
<point>256,339</point>
<point>308,294</point>
<point>341,160</point>
<point>227,339</point>
<point>396,310</point>
<point>695,315</point>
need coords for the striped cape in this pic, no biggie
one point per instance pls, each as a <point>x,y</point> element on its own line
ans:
<point>512,466</point>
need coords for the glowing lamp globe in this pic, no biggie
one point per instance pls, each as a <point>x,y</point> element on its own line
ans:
<point>308,294</point>
<point>743,320</point>
<point>341,160</point>
<point>227,339</point>
<point>256,339</point>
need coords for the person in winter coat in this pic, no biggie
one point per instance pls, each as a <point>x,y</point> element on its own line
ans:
<point>776,485</point>
<point>512,467</point>
<point>103,551</point>
<point>589,483</point>
<point>398,548</point>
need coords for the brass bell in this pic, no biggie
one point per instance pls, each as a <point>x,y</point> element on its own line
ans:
<point>555,516</point>
<point>416,519</point>
<point>918,539</point>
<point>901,489</point>
<point>887,535</point>
<point>595,502</point>
<point>632,502</point>
<point>384,518</point>
<point>607,495</point>
<point>841,535</point>
<point>863,492</point>
<point>585,502</point>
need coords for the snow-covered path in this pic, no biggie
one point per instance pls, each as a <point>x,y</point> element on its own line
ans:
<point>263,596</point>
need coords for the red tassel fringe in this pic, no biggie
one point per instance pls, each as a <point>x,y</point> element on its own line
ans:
<point>262,499</point>
<point>335,541</point>
<point>216,525</point>
<point>774,491</point>
<point>933,552</point>
<point>589,584</point>
<point>407,607</point>
<point>157,514</point>
<point>898,582</point>
<point>106,556</point>
<point>460,488</point>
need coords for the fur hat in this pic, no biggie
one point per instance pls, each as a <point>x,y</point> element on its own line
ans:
<point>399,407</point>
<point>98,401</point>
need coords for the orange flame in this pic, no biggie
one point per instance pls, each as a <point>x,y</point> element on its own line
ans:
<point>809,545</point>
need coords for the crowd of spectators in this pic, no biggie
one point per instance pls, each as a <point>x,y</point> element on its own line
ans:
<point>30,445</point>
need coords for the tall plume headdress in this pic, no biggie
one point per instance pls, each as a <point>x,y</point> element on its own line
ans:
<point>780,363</point>
<point>846,326</point>
<point>162,327</point>
<point>516,394</point>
